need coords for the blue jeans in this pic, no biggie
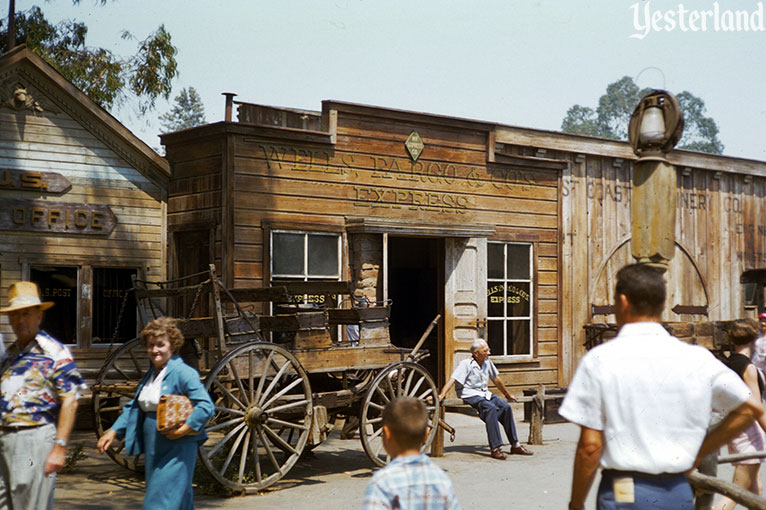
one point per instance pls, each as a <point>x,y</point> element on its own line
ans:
<point>650,493</point>
<point>493,412</point>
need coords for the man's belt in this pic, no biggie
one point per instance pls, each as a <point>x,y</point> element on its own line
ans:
<point>639,474</point>
<point>19,428</point>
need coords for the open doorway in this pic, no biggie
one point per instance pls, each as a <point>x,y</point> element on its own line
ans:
<point>416,289</point>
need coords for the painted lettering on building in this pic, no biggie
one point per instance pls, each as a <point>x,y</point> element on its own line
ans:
<point>411,199</point>
<point>61,217</point>
<point>23,180</point>
<point>394,170</point>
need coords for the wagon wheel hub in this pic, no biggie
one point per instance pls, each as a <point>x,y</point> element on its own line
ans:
<point>255,415</point>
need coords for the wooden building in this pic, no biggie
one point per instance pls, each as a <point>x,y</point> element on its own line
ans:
<point>511,234</point>
<point>82,207</point>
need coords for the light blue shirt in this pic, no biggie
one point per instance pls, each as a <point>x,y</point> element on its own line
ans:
<point>411,482</point>
<point>473,380</point>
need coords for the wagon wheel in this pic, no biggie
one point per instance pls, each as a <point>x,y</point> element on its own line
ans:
<point>264,409</point>
<point>402,379</point>
<point>116,385</point>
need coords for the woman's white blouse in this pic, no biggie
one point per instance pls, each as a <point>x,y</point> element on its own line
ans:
<point>151,392</point>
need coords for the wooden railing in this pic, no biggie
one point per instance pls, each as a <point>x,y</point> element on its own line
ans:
<point>706,484</point>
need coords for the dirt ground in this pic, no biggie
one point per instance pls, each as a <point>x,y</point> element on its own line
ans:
<point>335,474</point>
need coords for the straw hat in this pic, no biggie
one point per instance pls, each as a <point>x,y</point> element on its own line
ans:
<point>24,295</point>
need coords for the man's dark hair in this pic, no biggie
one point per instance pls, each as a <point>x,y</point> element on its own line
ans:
<point>743,331</point>
<point>644,287</point>
<point>407,419</point>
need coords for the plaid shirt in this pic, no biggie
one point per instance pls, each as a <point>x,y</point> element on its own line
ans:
<point>411,482</point>
<point>33,381</point>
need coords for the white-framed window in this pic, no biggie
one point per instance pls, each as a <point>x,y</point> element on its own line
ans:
<point>305,256</point>
<point>510,298</point>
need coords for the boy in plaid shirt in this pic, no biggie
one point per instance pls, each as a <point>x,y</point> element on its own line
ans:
<point>410,481</point>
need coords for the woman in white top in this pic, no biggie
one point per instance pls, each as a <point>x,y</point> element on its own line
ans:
<point>171,455</point>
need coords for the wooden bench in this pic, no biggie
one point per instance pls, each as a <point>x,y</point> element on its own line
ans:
<point>535,419</point>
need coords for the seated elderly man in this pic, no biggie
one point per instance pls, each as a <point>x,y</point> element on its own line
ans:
<point>472,376</point>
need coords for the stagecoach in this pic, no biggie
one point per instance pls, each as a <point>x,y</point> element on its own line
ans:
<point>278,381</point>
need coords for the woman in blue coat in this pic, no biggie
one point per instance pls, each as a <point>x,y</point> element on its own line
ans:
<point>170,456</point>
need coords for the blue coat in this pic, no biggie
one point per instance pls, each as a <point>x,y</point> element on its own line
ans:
<point>180,379</point>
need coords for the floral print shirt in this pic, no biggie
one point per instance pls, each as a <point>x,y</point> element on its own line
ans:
<point>33,381</point>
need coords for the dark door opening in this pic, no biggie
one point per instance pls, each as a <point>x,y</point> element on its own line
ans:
<point>192,252</point>
<point>416,289</point>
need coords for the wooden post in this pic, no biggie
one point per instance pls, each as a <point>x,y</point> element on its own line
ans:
<point>11,25</point>
<point>709,466</point>
<point>537,416</point>
<point>437,447</point>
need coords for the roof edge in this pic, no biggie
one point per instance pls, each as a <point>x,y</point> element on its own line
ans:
<point>142,151</point>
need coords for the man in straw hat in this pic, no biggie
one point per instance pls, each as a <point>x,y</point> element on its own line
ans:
<point>38,383</point>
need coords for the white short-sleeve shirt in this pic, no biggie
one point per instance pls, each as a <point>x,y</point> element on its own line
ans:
<point>473,380</point>
<point>653,396</point>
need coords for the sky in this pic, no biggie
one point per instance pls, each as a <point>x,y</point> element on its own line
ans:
<point>515,62</point>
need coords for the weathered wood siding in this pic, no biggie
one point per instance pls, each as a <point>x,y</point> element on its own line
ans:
<point>720,232</point>
<point>367,173</point>
<point>54,142</point>
<point>195,193</point>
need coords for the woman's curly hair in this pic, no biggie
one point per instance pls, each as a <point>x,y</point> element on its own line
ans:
<point>164,326</point>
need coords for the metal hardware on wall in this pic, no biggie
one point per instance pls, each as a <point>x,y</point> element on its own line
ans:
<point>481,328</point>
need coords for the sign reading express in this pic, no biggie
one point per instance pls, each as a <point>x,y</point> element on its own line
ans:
<point>62,217</point>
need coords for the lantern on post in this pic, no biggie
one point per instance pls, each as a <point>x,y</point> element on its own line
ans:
<point>655,128</point>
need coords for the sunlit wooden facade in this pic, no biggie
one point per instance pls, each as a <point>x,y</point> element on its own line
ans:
<point>510,234</point>
<point>82,207</point>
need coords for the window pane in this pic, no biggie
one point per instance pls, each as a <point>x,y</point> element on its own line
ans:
<point>495,260</point>
<point>517,298</point>
<point>518,341</point>
<point>112,303</point>
<point>323,255</point>
<point>58,284</point>
<point>750,294</point>
<point>495,299</point>
<point>518,262</point>
<point>495,337</point>
<point>287,254</point>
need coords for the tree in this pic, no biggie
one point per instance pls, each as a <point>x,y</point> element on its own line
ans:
<point>106,78</point>
<point>188,112</point>
<point>610,119</point>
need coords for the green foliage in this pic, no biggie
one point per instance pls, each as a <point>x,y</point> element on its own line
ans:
<point>106,78</point>
<point>187,112</point>
<point>73,456</point>
<point>610,119</point>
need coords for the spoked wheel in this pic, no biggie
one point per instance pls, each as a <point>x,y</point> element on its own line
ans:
<point>402,379</point>
<point>115,386</point>
<point>263,415</point>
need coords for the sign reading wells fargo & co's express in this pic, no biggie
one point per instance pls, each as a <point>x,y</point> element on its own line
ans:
<point>63,217</point>
<point>23,180</point>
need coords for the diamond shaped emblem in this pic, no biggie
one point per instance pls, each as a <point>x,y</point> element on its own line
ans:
<point>414,145</point>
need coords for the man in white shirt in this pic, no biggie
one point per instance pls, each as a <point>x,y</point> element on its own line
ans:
<point>473,376</point>
<point>644,401</point>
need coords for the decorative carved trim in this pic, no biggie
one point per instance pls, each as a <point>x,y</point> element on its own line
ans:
<point>19,97</point>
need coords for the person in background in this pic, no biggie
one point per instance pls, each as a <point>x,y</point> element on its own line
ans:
<point>747,473</point>
<point>473,376</point>
<point>758,356</point>
<point>410,481</point>
<point>171,455</point>
<point>39,388</point>
<point>644,401</point>
<point>352,330</point>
